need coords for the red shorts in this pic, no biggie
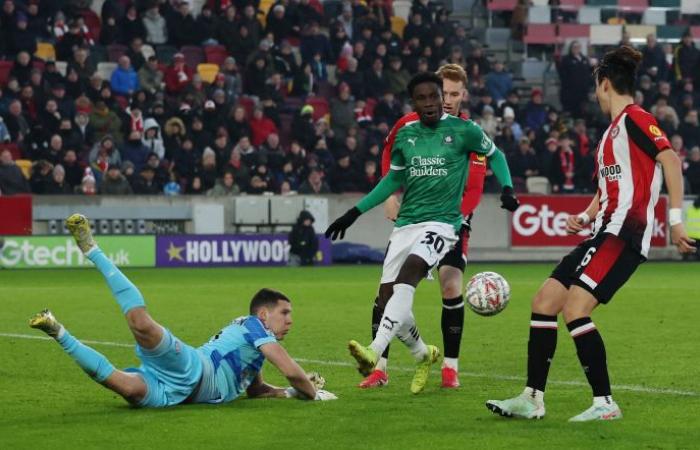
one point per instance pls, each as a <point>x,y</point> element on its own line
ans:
<point>601,265</point>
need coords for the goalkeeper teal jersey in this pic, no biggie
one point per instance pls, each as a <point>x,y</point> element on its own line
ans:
<point>435,161</point>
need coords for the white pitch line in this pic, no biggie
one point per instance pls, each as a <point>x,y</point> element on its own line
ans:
<point>620,387</point>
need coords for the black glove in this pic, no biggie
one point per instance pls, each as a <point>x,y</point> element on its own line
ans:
<point>466,225</point>
<point>337,229</point>
<point>508,199</point>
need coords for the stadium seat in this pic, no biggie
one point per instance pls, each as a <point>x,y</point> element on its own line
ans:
<point>165,53</point>
<point>540,34</point>
<point>320,105</point>
<point>501,5</point>
<point>39,64</point>
<point>538,185</point>
<point>636,6</point>
<point>5,69</point>
<point>116,51</point>
<point>62,67</point>
<point>92,21</point>
<point>571,5</point>
<point>606,34</point>
<point>690,7</point>
<point>665,3</point>
<point>45,51</point>
<point>397,25</point>
<point>208,72</point>
<point>105,69</point>
<point>25,166</point>
<point>402,8</point>
<point>654,17</point>
<point>539,14</point>
<point>670,32</point>
<point>573,30</point>
<point>534,69</point>
<point>601,2</point>
<point>265,6</point>
<point>193,55</point>
<point>540,2</point>
<point>13,148</point>
<point>589,15</point>
<point>498,38</point>
<point>215,54</point>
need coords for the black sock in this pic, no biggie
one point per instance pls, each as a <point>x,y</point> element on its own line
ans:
<point>540,349</point>
<point>452,323</point>
<point>591,353</point>
<point>377,314</point>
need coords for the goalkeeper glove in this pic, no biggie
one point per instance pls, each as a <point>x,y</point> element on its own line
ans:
<point>337,229</point>
<point>317,380</point>
<point>508,199</point>
<point>321,395</point>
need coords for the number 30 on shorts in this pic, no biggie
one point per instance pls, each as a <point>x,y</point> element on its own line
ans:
<point>431,238</point>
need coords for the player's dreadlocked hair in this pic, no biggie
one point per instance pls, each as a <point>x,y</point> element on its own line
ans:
<point>423,77</point>
<point>266,298</point>
<point>620,67</point>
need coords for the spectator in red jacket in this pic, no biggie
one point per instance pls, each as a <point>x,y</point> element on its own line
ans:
<point>261,127</point>
<point>178,75</point>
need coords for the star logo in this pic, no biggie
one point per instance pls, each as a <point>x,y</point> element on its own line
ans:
<point>175,252</point>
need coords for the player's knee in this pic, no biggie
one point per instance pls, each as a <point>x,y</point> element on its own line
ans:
<point>542,303</point>
<point>573,311</point>
<point>451,289</point>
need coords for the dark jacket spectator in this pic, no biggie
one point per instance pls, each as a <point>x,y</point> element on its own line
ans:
<point>653,60</point>
<point>576,80</point>
<point>130,26</point>
<point>686,58</point>
<point>303,241</point>
<point>58,184</point>
<point>114,183</point>
<point>314,184</point>
<point>146,183</point>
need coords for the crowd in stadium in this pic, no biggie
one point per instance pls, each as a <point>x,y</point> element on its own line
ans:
<point>299,99</point>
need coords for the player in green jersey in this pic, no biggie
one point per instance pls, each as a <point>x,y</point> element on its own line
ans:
<point>429,160</point>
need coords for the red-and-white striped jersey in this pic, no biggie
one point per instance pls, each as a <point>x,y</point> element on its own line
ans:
<point>629,177</point>
<point>474,187</point>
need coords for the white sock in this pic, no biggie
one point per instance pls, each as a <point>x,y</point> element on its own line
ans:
<point>60,333</point>
<point>409,335</point>
<point>535,394</point>
<point>604,400</point>
<point>452,363</point>
<point>397,312</point>
<point>381,364</point>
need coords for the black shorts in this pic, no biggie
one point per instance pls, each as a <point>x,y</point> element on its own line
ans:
<point>601,265</point>
<point>457,257</point>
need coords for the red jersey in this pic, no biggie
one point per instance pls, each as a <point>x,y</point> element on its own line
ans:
<point>629,177</point>
<point>477,166</point>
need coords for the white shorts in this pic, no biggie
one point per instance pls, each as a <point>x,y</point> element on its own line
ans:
<point>428,240</point>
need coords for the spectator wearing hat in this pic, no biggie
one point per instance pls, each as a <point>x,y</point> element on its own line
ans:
<point>509,122</point>
<point>178,75</point>
<point>303,242</point>
<point>278,23</point>
<point>314,184</point>
<point>488,122</point>
<point>114,183</point>
<point>21,38</point>
<point>207,169</point>
<point>130,26</point>
<point>576,81</point>
<point>88,184</point>
<point>12,180</point>
<point>535,112</point>
<point>155,26</point>
<point>152,138</point>
<point>124,80</point>
<point>342,111</point>
<point>303,127</point>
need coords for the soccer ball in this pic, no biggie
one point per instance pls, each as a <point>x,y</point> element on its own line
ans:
<point>487,293</point>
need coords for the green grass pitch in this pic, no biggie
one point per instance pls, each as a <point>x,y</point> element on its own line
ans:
<point>650,329</point>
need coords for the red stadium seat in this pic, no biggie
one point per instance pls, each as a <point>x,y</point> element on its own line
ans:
<point>193,55</point>
<point>320,105</point>
<point>695,31</point>
<point>501,5</point>
<point>215,54</point>
<point>39,64</point>
<point>637,6</point>
<point>571,5</point>
<point>116,51</point>
<point>5,69</point>
<point>540,34</point>
<point>573,31</point>
<point>14,150</point>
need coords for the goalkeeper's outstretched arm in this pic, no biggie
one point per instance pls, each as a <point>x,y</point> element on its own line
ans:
<point>279,357</point>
